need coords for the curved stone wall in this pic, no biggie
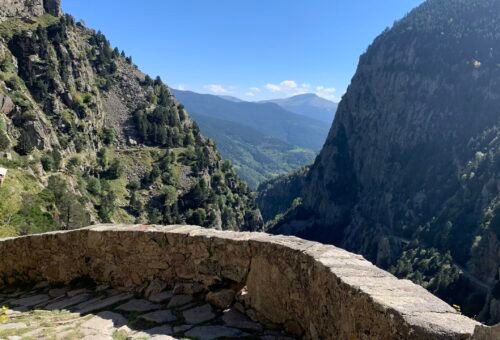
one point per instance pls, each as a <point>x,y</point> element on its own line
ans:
<point>316,290</point>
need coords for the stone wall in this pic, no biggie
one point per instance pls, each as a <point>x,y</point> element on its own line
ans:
<point>316,290</point>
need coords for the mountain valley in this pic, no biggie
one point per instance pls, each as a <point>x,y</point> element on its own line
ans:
<point>263,140</point>
<point>403,172</point>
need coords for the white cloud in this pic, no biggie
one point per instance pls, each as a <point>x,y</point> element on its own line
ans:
<point>273,88</point>
<point>182,87</point>
<point>253,91</point>
<point>292,88</point>
<point>327,93</point>
<point>288,84</point>
<point>216,89</point>
<point>289,88</point>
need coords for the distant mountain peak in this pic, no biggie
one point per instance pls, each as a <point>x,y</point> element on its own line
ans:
<point>306,95</point>
<point>308,104</point>
<point>232,99</point>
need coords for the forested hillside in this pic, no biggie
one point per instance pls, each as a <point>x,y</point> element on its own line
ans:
<point>86,137</point>
<point>256,157</point>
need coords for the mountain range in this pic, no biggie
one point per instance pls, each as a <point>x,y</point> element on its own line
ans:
<point>408,175</point>
<point>262,139</point>
<point>308,104</point>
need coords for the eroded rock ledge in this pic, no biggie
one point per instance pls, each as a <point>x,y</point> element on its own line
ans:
<point>318,290</point>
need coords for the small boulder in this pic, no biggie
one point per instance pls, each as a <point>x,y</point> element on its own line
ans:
<point>198,314</point>
<point>6,105</point>
<point>294,328</point>
<point>221,299</point>
<point>179,300</point>
<point>155,287</point>
<point>160,297</point>
<point>188,288</point>
<point>138,305</point>
<point>161,316</point>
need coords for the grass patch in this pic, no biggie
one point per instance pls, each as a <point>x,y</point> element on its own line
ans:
<point>120,335</point>
<point>13,192</point>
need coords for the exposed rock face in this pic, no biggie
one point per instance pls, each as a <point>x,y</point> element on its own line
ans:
<point>410,171</point>
<point>22,8</point>
<point>316,290</point>
<point>52,7</point>
<point>6,105</point>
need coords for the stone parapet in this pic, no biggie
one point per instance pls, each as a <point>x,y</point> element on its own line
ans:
<point>316,290</point>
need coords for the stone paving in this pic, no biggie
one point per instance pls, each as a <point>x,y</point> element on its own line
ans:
<point>99,312</point>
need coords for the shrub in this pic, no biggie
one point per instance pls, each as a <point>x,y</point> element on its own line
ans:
<point>93,186</point>
<point>4,141</point>
<point>47,162</point>
<point>25,143</point>
<point>116,169</point>
<point>109,136</point>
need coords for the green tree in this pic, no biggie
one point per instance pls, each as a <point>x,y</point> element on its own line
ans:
<point>108,205</point>
<point>198,217</point>
<point>116,169</point>
<point>25,143</point>
<point>47,162</point>
<point>93,186</point>
<point>103,157</point>
<point>109,136</point>
<point>72,212</point>
<point>135,204</point>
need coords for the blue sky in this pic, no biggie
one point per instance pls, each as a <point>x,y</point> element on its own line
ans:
<point>252,49</point>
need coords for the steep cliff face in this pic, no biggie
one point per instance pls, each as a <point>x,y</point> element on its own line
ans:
<point>410,173</point>
<point>87,137</point>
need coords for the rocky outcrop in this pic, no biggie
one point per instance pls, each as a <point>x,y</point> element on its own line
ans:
<point>314,290</point>
<point>28,8</point>
<point>21,8</point>
<point>6,105</point>
<point>52,7</point>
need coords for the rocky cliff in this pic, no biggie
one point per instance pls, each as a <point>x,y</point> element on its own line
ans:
<point>87,137</point>
<point>28,8</point>
<point>409,175</point>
